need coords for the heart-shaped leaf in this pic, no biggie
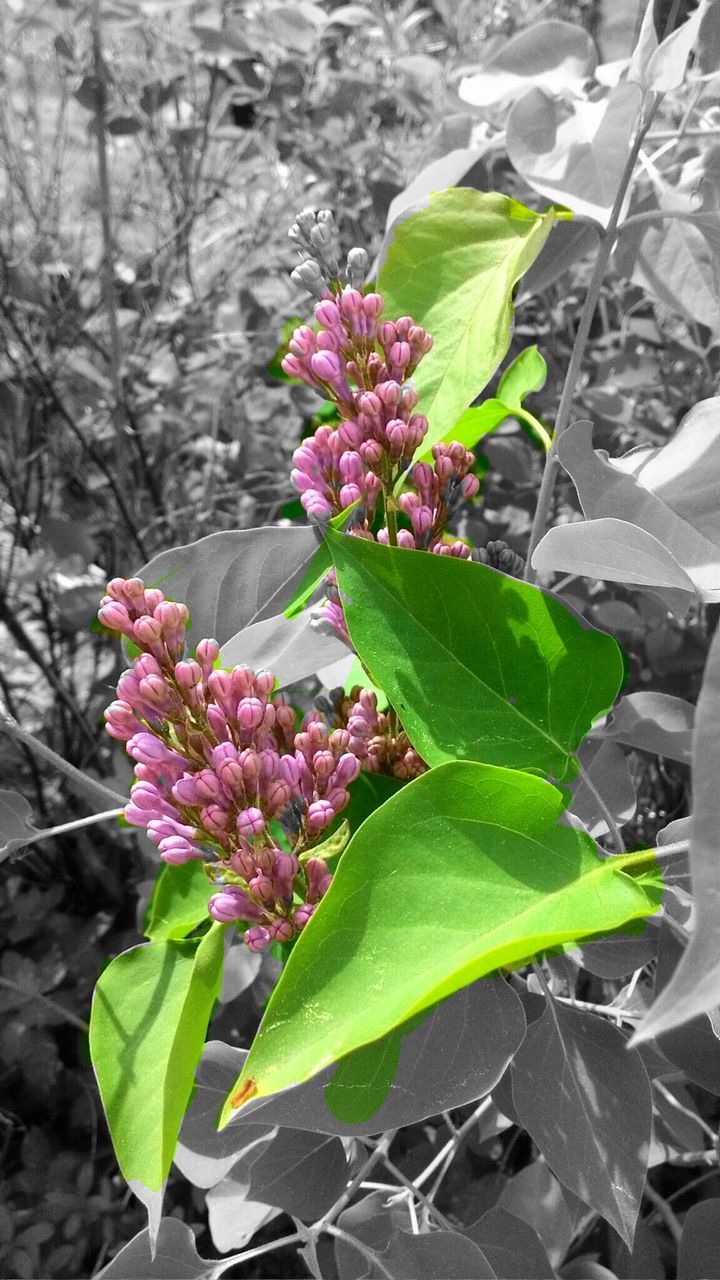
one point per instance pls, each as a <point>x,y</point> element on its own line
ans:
<point>229,580</point>
<point>453,266</point>
<point>454,1055</point>
<point>464,871</point>
<point>150,1012</point>
<point>574,150</point>
<point>553,54</point>
<point>667,493</point>
<point>585,1100</point>
<point>478,665</point>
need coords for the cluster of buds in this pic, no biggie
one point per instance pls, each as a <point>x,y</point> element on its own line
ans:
<point>363,365</point>
<point>221,768</point>
<point>375,737</point>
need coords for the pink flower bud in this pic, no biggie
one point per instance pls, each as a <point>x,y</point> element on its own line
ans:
<point>261,886</point>
<point>115,617</point>
<point>257,938</point>
<point>276,798</point>
<point>120,721</point>
<point>327,314</point>
<point>176,850</point>
<point>319,816</point>
<point>286,869</point>
<point>250,713</point>
<point>207,653</point>
<point>215,819</point>
<point>148,634</point>
<point>323,764</point>
<point>315,505</point>
<point>188,675</point>
<point>470,487</point>
<point>372,305</point>
<point>243,863</point>
<point>327,366</point>
<point>281,930</point>
<point>250,822</point>
<point>318,877</point>
<point>302,914</point>
<point>346,770</point>
<point>233,904</point>
<point>289,771</point>
<point>405,540</point>
<point>185,791</point>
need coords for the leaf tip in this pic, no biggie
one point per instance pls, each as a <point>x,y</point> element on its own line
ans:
<point>245,1090</point>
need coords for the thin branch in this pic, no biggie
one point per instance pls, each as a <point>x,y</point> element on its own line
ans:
<point>665,1212</point>
<point>248,1254</point>
<point>49,832</point>
<point>66,1014</point>
<point>547,487</point>
<point>368,1254</point>
<point>610,822</point>
<point>97,791</point>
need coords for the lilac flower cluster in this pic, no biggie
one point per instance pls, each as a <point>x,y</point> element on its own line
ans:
<point>218,760</point>
<point>363,365</point>
<point>376,737</point>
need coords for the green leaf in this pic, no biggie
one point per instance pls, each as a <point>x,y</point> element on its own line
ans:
<point>574,150</point>
<point>231,579</point>
<point>453,266</point>
<point>527,373</point>
<point>178,903</point>
<point>463,872</point>
<point>150,1012</point>
<point>576,1065</point>
<point>313,576</point>
<point>478,665</point>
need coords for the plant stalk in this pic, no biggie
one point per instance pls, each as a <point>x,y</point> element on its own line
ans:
<point>605,248</point>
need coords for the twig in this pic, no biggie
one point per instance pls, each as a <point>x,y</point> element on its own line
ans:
<point>66,1014</point>
<point>666,1213</point>
<point>49,832</point>
<point>92,788</point>
<point>454,1142</point>
<point>108,266</point>
<point>27,643</point>
<point>46,385</point>
<point>248,1254</point>
<point>610,822</point>
<point>547,487</point>
<point>368,1254</point>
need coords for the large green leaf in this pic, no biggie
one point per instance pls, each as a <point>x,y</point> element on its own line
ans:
<point>478,665</point>
<point>453,266</point>
<point>178,903</point>
<point>149,1016</point>
<point>465,871</point>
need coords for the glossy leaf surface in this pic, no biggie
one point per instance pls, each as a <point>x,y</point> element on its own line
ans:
<point>453,266</point>
<point>229,580</point>
<point>392,936</point>
<point>479,666</point>
<point>585,1100</point>
<point>178,903</point>
<point>150,1012</point>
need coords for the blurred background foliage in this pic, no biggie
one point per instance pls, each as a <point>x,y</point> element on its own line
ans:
<point>151,159</point>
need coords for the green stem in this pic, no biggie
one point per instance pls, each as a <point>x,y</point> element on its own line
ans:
<point>607,244</point>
